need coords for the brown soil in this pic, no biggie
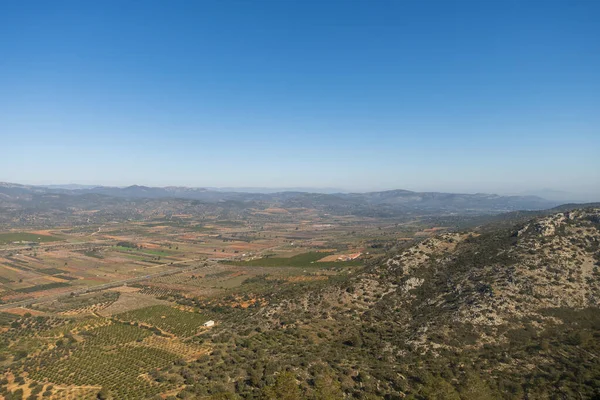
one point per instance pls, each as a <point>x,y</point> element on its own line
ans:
<point>23,311</point>
<point>304,278</point>
<point>130,301</point>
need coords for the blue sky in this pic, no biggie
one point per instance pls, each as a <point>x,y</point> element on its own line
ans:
<point>493,96</point>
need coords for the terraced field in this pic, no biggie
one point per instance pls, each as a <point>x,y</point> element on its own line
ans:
<point>107,355</point>
<point>115,334</point>
<point>76,337</point>
<point>165,318</point>
<point>6,238</point>
<point>117,370</point>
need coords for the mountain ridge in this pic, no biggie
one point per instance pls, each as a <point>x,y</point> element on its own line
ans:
<point>389,201</point>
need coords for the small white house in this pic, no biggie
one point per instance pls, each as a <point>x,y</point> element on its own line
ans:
<point>209,323</point>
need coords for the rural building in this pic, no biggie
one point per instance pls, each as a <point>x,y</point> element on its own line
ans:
<point>209,323</point>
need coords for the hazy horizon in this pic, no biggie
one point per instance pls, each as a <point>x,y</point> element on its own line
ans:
<point>546,193</point>
<point>494,97</point>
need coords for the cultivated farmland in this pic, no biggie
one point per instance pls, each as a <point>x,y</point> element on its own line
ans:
<point>116,309</point>
<point>165,318</point>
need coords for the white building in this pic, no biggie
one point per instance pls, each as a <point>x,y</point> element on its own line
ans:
<point>209,323</point>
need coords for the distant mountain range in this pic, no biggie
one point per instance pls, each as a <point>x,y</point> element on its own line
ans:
<point>249,189</point>
<point>382,203</point>
<point>563,196</point>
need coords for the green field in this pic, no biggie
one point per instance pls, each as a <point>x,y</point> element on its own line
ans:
<point>52,271</point>
<point>165,318</point>
<point>7,238</point>
<point>110,335</point>
<point>6,318</point>
<point>117,371</point>
<point>40,288</point>
<point>66,277</point>
<point>144,252</point>
<point>93,254</point>
<point>201,228</point>
<point>229,223</point>
<point>301,260</point>
<point>155,252</point>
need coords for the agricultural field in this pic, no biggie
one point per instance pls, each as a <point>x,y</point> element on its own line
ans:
<point>45,264</point>
<point>114,334</point>
<point>117,371</point>
<point>79,305</point>
<point>116,310</point>
<point>304,260</point>
<point>103,354</point>
<point>17,237</point>
<point>168,319</point>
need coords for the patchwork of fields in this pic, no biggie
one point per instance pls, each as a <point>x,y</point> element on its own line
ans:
<point>117,311</point>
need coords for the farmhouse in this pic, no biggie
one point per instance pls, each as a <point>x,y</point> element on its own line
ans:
<point>209,323</point>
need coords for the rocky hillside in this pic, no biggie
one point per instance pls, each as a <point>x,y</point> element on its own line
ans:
<point>499,279</point>
<point>505,313</point>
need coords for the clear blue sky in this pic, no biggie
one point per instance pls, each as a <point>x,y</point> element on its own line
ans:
<point>496,96</point>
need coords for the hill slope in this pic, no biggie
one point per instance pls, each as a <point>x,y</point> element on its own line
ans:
<point>510,313</point>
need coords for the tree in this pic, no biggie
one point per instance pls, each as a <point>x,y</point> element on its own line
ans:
<point>285,388</point>
<point>103,394</point>
<point>439,389</point>
<point>224,396</point>
<point>476,389</point>
<point>327,388</point>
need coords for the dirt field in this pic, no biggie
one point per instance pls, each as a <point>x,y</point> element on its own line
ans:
<point>23,311</point>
